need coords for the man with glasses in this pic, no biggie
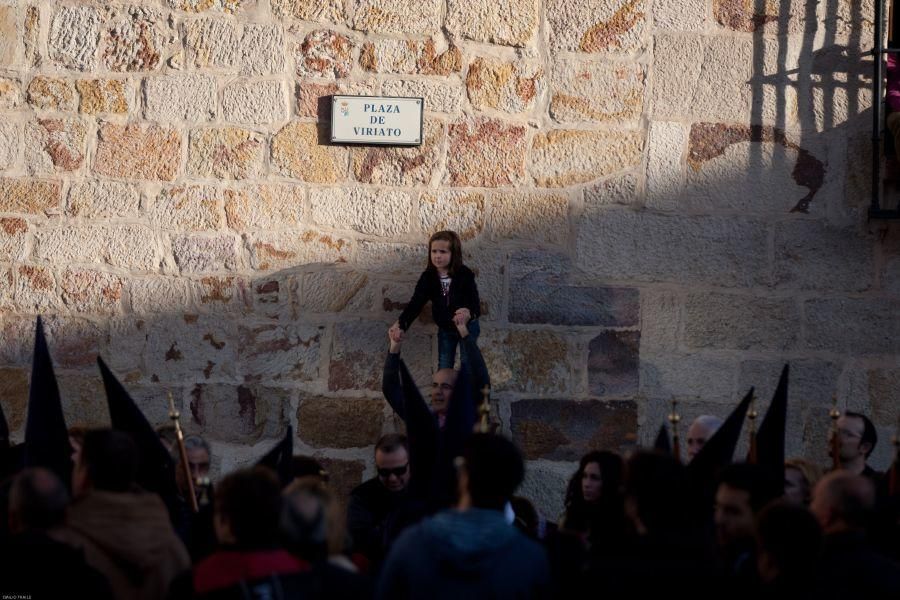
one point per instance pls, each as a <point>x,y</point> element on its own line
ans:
<point>378,507</point>
<point>856,440</point>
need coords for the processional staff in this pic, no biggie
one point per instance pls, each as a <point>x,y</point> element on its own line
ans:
<point>674,419</point>
<point>751,415</point>
<point>835,414</point>
<point>182,452</point>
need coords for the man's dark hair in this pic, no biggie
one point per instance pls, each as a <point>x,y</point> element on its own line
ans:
<point>110,458</point>
<point>38,499</point>
<point>759,483</point>
<point>851,497</point>
<point>791,536</point>
<point>390,442</point>
<point>869,435</point>
<point>250,501</point>
<point>495,469</point>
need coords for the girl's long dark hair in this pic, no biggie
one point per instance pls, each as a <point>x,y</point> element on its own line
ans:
<point>455,250</point>
<point>579,513</point>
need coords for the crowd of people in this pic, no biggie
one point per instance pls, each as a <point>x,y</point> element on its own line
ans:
<point>129,512</point>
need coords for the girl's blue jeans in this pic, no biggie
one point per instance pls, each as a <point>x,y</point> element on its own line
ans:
<point>447,342</point>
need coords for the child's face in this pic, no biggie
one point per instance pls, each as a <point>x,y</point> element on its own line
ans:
<point>440,254</point>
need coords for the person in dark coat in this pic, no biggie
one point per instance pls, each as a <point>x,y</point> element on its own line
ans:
<point>34,564</point>
<point>471,551</point>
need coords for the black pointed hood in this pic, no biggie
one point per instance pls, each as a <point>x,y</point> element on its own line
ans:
<point>663,443</point>
<point>770,437</point>
<point>279,458</point>
<point>46,435</point>
<point>156,471</point>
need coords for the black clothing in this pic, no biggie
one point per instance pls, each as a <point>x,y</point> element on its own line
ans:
<point>850,568</point>
<point>376,516</point>
<point>38,567</point>
<point>463,294</point>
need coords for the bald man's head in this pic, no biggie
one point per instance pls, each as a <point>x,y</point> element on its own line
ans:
<point>442,384</point>
<point>701,429</point>
<point>842,501</point>
<point>37,500</point>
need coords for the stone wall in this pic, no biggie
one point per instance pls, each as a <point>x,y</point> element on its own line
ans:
<point>660,197</point>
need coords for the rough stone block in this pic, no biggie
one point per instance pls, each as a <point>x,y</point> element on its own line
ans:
<point>136,152</point>
<point>14,390</point>
<point>377,212</point>
<point>680,15</point>
<point>282,353</point>
<point>613,363</point>
<point>35,289</point>
<point>191,208</point>
<point>199,6</point>
<point>541,290</point>
<point>771,17</point>
<point>361,421</point>
<point>462,212</point>
<point>74,342</point>
<point>597,92</point>
<point>310,10</point>
<point>280,249</point>
<point>53,145</point>
<point>13,238</point>
<point>330,292</point>
<point>255,102</point>
<point>197,253</point>
<point>709,78</point>
<point>211,43</point>
<point>414,165</point>
<point>511,87</point>
<point>297,152</point>
<point>324,53</point>
<point>180,97</point>
<point>313,99</point>
<point>505,22</point>
<point>810,255</point>
<point>86,291</point>
<point>262,49</point>
<point>224,294</point>
<point>102,200</point>
<point>726,321</point>
<point>128,246</point>
<point>625,244</point>
<point>225,153</point>
<point>270,296</point>
<point>490,267</point>
<point>410,56</point>
<point>545,485</point>
<point>687,376</point>
<point>660,320</point>
<point>356,362</point>
<point>19,331</point>
<point>437,96</point>
<point>160,295</point>
<point>189,347</point>
<point>74,36</point>
<point>10,93</point>
<point>620,189</point>
<point>409,17</point>
<point>9,35</point>
<point>527,361</point>
<point>99,96</point>
<point>243,414</point>
<point>389,257</point>
<point>724,161</point>
<point>566,157</point>
<point>51,93</point>
<point>29,196</point>
<point>884,394</point>
<point>569,429</point>
<point>84,403</point>
<point>596,25</point>
<point>665,164</point>
<point>857,326</point>
<point>10,136</point>
<point>486,153</point>
<point>135,39</point>
<point>536,217</point>
<point>264,207</point>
